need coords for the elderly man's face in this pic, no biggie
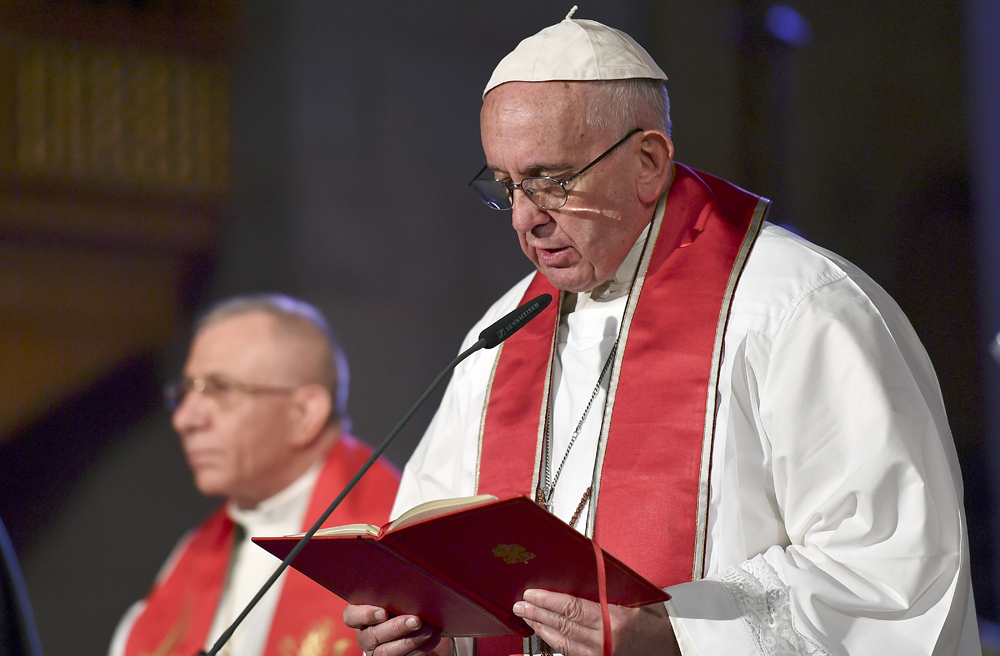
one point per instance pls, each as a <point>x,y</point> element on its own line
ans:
<point>539,129</point>
<point>238,444</point>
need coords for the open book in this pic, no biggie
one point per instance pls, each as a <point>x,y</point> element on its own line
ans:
<point>461,564</point>
<point>416,513</point>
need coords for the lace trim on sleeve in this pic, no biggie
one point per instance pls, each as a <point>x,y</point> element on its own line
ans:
<point>762,600</point>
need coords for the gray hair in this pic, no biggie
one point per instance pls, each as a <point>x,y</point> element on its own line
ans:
<point>620,105</point>
<point>303,321</point>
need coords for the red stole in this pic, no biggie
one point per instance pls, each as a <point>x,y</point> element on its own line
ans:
<point>649,505</point>
<point>180,609</point>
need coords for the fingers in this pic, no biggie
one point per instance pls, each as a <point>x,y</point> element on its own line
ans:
<point>379,635</point>
<point>574,627</point>
<point>573,608</point>
<point>360,617</point>
<point>570,625</point>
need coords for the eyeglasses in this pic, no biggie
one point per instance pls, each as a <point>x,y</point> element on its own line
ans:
<point>215,388</point>
<point>548,193</point>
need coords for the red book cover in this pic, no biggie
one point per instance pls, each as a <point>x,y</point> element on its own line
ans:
<point>463,571</point>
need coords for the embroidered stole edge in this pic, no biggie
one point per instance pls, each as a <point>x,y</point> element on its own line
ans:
<point>701,534</point>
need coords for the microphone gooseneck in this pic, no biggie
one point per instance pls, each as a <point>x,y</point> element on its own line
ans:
<point>489,338</point>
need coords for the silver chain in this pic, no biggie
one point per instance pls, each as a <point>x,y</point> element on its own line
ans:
<point>549,488</point>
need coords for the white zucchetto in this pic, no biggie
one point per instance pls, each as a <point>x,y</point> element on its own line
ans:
<point>578,50</point>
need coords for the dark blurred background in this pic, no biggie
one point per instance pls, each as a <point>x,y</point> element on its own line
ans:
<point>158,155</point>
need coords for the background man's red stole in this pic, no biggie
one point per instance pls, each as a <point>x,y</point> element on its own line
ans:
<point>305,609</point>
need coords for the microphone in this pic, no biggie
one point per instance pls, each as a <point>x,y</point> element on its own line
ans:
<point>512,322</point>
<point>489,338</point>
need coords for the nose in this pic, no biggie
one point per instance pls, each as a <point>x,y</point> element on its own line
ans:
<point>191,413</point>
<point>525,215</point>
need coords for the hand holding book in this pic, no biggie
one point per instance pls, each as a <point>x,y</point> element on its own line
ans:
<point>461,565</point>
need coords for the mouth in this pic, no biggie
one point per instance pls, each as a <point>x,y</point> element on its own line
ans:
<point>200,458</point>
<point>554,257</point>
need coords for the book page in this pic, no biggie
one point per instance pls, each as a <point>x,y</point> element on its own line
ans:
<point>435,508</point>
<point>346,529</point>
<point>414,514</point>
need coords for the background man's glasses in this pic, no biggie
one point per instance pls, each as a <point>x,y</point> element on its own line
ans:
<point>547,193</point>
<point>215,388</point>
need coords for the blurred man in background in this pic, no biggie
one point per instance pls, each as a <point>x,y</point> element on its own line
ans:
<point>261,413</point>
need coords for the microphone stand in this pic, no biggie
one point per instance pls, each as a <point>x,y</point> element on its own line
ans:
<point>489,338</point>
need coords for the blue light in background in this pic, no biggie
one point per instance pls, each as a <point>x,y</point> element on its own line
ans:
<point>788,25</point>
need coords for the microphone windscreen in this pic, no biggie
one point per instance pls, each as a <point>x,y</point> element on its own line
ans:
<point>513,321</point>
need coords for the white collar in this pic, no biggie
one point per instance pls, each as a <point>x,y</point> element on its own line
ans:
<point>281,513</point>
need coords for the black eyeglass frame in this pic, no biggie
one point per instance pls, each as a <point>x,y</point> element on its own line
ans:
<point>510,186</point>
<point>175,391</point>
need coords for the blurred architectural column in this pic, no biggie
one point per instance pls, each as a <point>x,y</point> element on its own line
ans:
<point>768,34</point>
<point>982,25</point>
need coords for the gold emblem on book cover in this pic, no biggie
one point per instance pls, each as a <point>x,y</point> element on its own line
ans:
<point>512,553</point>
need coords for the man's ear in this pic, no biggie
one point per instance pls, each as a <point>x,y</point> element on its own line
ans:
<point>311,408</point>
<point>656,156</point>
